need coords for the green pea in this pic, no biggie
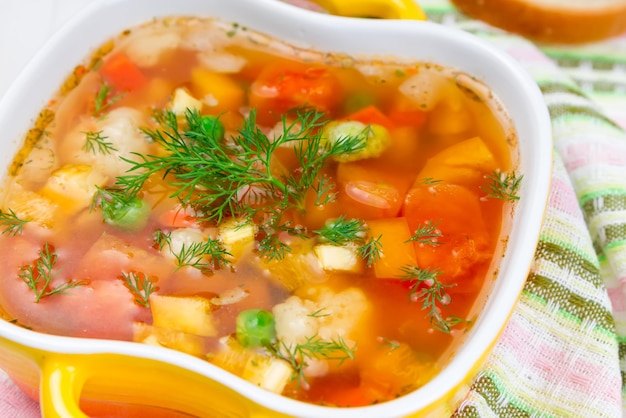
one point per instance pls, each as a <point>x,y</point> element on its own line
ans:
<point>255,328</point>
<point>131,215</point>
<point>213,126</point>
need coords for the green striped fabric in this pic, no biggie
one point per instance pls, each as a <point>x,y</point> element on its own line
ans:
<point>563,353</point>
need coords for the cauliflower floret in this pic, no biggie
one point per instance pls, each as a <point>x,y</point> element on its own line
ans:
<point>326,315</point>
<point>341,311</point>
<point>120,130</point>
<point>183,238</point>
<point>293,320</point>
<point>376,137</point>
<point>146,49</point>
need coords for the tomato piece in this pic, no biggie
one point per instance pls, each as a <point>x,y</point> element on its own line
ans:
<point>222,92</point>
<point>122,73</point>
<point>397,250</point>
<point>456,213</point>
<point>285,85</point>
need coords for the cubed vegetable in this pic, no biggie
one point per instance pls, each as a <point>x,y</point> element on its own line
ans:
<point>182,101</point>
<point>169,338</point>
<point>257,367</point>
<point>216,90</point>
<point>397,251</point>
<point>371,115</point>
<point>463,163</point>
<point>189,314</point>
<point>338,258</point>
<point>72,186</point>
<point>119,71</point>
<point>236,236</point>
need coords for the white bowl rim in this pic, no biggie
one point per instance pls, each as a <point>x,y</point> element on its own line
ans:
<point>446,46</point>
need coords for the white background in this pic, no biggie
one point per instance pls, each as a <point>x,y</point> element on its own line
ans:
<point>25,25</point>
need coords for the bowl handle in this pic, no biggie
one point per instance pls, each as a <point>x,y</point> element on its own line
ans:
<point>384,9</point>
<point>61,384</point>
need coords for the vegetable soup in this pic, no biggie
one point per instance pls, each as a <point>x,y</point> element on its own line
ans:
<point>320,225</point>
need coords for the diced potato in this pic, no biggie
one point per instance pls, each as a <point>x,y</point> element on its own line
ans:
<point>296,269</point>
<point>147,48</point>
<point>462,163</point>
<point>338,258</point>
<point>217,90</point>
<point>255,366</point>
<point>31,206</point>
<point>448,119</point>
<point>169,338</point>
<point>190,314</point>
<point>72,186</point>
<point>183,100</point>
<point>236,235</point>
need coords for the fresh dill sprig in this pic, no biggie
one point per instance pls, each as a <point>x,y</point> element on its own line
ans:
<point>95,143</point>
<point>430,180</point>
<point>342,231</point>
<point>371,250</point>
<point>323,191</point>
<point>392,345</point>
<point>103,100</point>
<point>161,239</point>
<point>11,224</point>
<point>211,174</point>
<point>426,287</point>
<point>427,234</point>
<point>314,348</point>
<point>141,286</point>
<point>503,185</point>
<point>319,313</point>
<point>204,256</point>
<point>39,274</point>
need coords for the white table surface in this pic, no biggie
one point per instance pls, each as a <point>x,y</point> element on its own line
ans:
<point>25,25</point>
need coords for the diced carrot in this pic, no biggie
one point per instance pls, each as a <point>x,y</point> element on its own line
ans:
<point>463,163</point>
<point>370,115</point>
<point>122,73</point>
<point>218,91</point>
<point>456,213</point>
<point>404,150</point>
<point>389,371</point>
<point>404,112</point>
<point>397,250</point>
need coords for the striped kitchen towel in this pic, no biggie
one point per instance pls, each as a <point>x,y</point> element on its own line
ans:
<point>563,353</point>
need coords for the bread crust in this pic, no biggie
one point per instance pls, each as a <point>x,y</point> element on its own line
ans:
<point>556,25</point>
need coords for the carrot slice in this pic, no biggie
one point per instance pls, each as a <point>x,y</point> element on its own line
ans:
<point>122,73</point>
<point>371,115</point>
